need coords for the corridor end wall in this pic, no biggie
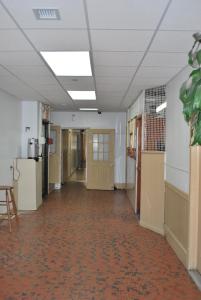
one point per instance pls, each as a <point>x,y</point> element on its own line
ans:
<point>106,120</point>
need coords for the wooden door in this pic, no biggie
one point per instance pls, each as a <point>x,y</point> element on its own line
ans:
<point>100,159</point>
<point>55,155</point>
<point>138,163</point>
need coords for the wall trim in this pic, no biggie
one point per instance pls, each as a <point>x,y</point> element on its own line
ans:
<point>120,186</point>
<point>180,251</point>
<point>176,190</point>
<point>152,228</point>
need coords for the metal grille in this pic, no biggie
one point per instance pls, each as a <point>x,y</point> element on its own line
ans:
<point>154,122</point>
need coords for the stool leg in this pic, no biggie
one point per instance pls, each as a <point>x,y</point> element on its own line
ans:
<point>8,210</point>
<point>13,202</point>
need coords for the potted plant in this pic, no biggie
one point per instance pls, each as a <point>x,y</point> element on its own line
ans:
<point>190,92</point>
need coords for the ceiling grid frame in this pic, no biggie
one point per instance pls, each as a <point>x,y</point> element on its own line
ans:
<point>34,48</point>
<point>147,50</point>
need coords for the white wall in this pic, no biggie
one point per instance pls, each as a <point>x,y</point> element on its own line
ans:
<point>10,133</point>
<point>110,120</point>
<point>177,137</point>
<point>137,108</point>
<point>30,115</point>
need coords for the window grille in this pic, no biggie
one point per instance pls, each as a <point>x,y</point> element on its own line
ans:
<point>154,122</point>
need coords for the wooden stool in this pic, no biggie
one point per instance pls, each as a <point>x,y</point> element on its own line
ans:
<point>9,202</point>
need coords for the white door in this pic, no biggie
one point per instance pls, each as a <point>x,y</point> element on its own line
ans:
<point>100,159</point>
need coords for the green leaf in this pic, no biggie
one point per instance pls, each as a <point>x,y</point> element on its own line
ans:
<point>198,57</point>
<point>195,75</point>
<point>197,99</point>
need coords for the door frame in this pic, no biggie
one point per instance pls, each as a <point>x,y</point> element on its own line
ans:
<point>138,126</point>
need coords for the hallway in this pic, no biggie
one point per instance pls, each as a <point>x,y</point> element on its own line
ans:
<point>84,245</point>
<point>78,175</point>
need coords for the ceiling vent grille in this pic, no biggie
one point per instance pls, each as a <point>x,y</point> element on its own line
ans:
<point>46,14</point>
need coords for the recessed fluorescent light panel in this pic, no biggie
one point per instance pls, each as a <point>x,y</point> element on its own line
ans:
<point>89,109</point>
<point>68,63</point>
<point>161,107</point>
<point>82,95</point>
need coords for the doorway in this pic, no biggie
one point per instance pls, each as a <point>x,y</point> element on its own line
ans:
<point>138,136</point>
<point>100,159</point>
<point>73,155</point>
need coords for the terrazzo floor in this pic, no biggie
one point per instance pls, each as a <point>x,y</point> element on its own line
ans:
<point>87,245</point>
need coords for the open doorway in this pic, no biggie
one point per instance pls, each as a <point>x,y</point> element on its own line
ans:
<point>73,155</point>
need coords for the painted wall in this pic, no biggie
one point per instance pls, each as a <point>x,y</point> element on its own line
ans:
<point>110,120</point>
<point>30,115</point>
<point>177,137</point>
<point>10,132</point>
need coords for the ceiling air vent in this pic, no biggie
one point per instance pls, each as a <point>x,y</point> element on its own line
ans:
<point>46,14</point>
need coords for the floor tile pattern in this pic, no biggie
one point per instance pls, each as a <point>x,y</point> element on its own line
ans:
<point>87,245</point>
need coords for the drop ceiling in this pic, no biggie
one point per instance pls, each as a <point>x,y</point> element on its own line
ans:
<point>133,44</point>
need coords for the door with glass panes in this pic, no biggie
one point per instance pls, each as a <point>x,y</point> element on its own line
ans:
<point>100,159</point>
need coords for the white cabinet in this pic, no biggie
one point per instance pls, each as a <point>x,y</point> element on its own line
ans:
<point>29,185</point>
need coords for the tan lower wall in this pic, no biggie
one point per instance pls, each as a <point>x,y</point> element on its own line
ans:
<point>152,191</point>
<point>177,220</point>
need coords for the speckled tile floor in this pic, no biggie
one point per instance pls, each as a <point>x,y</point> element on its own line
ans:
<point>87,245</point>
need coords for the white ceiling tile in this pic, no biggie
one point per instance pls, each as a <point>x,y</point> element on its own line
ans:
<point>37,81</point>
<point>19,89</point>
<point>5,20</point>
<point>157,72</point>
<point>110,96</point>
<point>149,82</point>
<point>4,72</point>
<point>165,60</point>
<point>52,92</point>
<point>71,13</point>
<point>120,40</point>
<point>117,58</point>
<point>78,83</point>
<point>86,103</point>
<point>20,58</point>
<point>112,71</point>
<point>59,39</point>
<point>172,41</point>
<point>125,14</point>
<point>183,15</point>
<point>26,71</point>
<point>110,87</point>
<point>13,40</point>
<point>112,83</point>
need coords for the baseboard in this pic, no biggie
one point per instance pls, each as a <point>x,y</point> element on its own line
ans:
<point>120,186</point>
<point>152,228</point>
<point>180,251</point>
